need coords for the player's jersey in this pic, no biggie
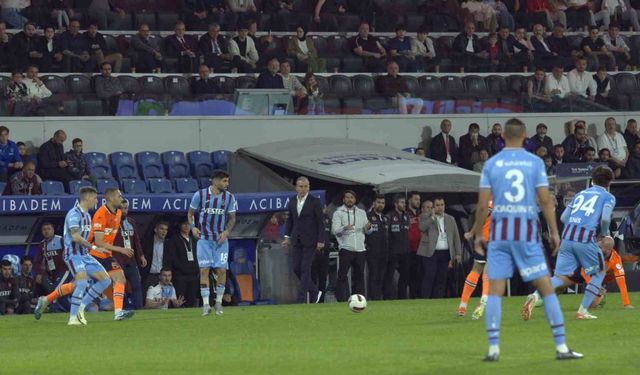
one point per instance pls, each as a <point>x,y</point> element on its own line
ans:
<point>76,218</point>
<point>513,175</point>
<point>586,211</point>
<point>211,212</point>
<point>49,257</point>
<point>108,223</point>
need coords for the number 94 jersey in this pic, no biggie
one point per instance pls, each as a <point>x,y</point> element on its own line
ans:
<point>513,175</point>
<point>587,209</point>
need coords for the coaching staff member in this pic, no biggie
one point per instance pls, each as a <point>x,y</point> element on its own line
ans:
<point>304,231</point>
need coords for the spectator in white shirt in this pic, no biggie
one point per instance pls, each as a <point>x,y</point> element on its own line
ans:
<point>557,84</point>
<point>37,88</point>
<point>616,45</point>
<point>612,140</point>
<point>581,82</point>
<point>424,51</point>
<point>159,296</point>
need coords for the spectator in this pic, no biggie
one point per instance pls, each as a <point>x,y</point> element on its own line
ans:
<point>76,163</point>
<point>159,296</point>
<point>575,145</point>
<point>204,85</point>
<point>594,47</point>
<point>442,250</point>
<point>632,168</point>
<point>369,48</point>
<point>324,14</point>
<point>350,224</point>
<point>551,13</point>
<point>60,12</point>
<point>631,132</point>
<point>470,146</point>
<point>25,182</point>
<point>514,55</point>
<point>12,13</point>
<point>484,156</point>
<point>51,50</point>
<point>24,46</point>
<point>468,52</point>
<point>128,237</point>
<point>271,79</point>
<point>377,248</point>
<point>147,56</point>
<point>494,52</point>
<point>399,255</point>
<point>394,86</point>
<point>616,45</point>
<point>8,288</point>
<point>26,287</point>
<point>400,50</point>
<point>562,52</point>
<point>558,154</point>
<point>541,151</point>
<point>280,12</point>
<point>19,102</point>
<point>424,51</point>
<point>614,142</point>
<point>24,152</point>
<point>581,83</point>
<point>589,155</point>
<point>302,49</point>
<point>244,52</point>
<point>415,264</point>
<point>76,50</point>
<point>543,55</point>
<point>605,157</point>
<point>493,138</point>
<point>443,145</point>
<point>182,260</point>
<point>214,49</point>
<point>245,10</point>
<point>197,13</point>
<point>154,250</point>
<point>481,12</point>
<point>109,89</point>
<point>183,47</point>
<point>265,45</point>
<point>38,91</point>
<point>537,98</point>
<point>108,15</point>
<point>5,43</point>
<point>578,14</point>
<point>52,162</point>
<point>293,85</point>
<point>603,86</point>
<point>541,138</point>
<point>557,87</point>
<point>420,152</point>
<point>315,101</point>
<point>548,165</point>
<point>98,48</point>
<point>624,12</point>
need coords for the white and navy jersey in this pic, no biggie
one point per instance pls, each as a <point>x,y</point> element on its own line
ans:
<point>211,212</point>
<point>76,218</point>
<point>586,211</point>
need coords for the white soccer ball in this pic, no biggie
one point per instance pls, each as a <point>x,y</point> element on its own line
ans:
<point>357,303</point>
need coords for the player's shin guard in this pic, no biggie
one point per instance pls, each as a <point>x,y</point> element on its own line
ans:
<point>493,315</point>
<point>118,297</point>
<point>554,317</point>
<point>95,291</point>
<point>204,293</point>
<point>219,293</point>
<point>592,290</point>
<point>469,286</point>
<point>61,291</point>
<point>76,297</point>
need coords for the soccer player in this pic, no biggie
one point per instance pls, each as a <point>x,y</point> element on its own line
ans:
<point>586,217</point>
<point>77,226</point>
<point>106,223</point>
<point>515,178</point>
<point>216,210</point>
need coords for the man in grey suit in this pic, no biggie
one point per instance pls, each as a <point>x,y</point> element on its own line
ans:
<point>439,247</point>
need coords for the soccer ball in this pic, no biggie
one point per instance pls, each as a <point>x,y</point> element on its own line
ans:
<point>357,303</point>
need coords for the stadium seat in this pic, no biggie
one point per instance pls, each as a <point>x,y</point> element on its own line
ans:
<point>200,162</point>
<point>129,84</point>
<point>178,87</point>
<point>245,82</point>
<point>75,185</point>
<point>105,183</point>
<point>496,85</point>
<point>148,18</point>
<point>475,86</point>
<point>413,85</point>
<point>55,84</point>
<point>175,164</point>
<point>431,87</point>
<point>186,185</point>
<point>452,86</point>
<point>53,188</point>
<point>227,84</point>
<point>79,84</point>
<point>166,21</point>
<point>220,159</point>
<point>149,165</point>
<point>123,165</point>
<point>151,86</point>
<point>340,85</point>
<point>3,185</point>
<point>244,279</point>
<point>95,158</point>
<point>159,186</point>
<point>133,186</point>
<point>363,85</point>
<point>100,171</point>
<point>204,182</point>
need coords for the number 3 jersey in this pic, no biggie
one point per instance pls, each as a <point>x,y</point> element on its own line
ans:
<point>513,175</point>
<point>586,211</point>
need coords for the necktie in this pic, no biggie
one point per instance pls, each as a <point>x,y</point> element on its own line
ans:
<point>181,40</point>
<point>215,48</point>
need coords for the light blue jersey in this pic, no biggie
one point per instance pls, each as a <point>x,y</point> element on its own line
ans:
<point>76,218</point>
<point>583,216</point>
<point>211,212</point>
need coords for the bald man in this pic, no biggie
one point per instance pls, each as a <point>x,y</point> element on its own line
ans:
<point>52,162</point>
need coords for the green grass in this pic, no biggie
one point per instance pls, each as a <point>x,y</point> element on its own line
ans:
<point>399,337</point>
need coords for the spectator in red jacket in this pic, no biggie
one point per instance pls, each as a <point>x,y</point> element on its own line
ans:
<point>25,182</point>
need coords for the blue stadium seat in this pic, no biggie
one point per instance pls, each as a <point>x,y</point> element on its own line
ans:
<point>220,159</point>
<point>133,186</point>
<point>104,184</point>
<point>204,182</point>
<point>95,158</point>
<point>186,185</point>
<point>149,165</point>
<point>200,162</point>
<point>75,185</point>
<point>53,188</point>
<point>159,186</point>
<point>100,171</point>
<point>123,165</point>
<point>175,164</point>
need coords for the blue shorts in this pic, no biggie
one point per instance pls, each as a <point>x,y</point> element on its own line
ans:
<point>84,263</point>
<point>213,255</point>
<point>529,259</point>
<point>574,255</point>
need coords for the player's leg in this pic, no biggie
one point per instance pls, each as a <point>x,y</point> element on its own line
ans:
<point>101,282</point>
<point>78,269</point>
<point>592,260</point>
<point>44,301</point>
<point>205,261</point>
<point>478,312</point>
<point>220,265</point>
<point>470,284</point>
<point>119,283</point>
<point>499,255</point>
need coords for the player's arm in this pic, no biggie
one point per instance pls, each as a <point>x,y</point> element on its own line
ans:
<point>151,304</point>
<point>98,238</point>
<point>624,293</point>
<point>195,204</point>
<point>77,238</point>
<point>549,212</point>
<point>605,219</point>
<point>566,214</point>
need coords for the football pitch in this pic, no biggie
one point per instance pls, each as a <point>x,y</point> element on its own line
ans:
<point>393,337</point>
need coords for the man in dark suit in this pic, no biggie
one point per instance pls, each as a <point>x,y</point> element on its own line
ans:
<point>52,162</point>
<point>181,258</point>
<point>305,233</point>
<point>154,248</point>
<point>204,85</point>
<point>183,47</point>
<point>467,51</point>
<point>271,79</point>
<point>470,146</point>
<point>443,145</point>
<point>214,49</point>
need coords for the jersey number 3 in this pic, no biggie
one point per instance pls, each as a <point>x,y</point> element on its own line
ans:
<point>516,185</point>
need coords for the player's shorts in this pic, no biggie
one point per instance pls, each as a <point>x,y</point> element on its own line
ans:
<point>110,264</point>
<point>213,255</point>
<point>84,263</point>
<point>574,255</point>
<point>527,257</point>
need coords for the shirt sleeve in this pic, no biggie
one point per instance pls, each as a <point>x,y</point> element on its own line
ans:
<point>150,293</point>
<point>541,174</point>
<point>485,182</point>
<point>173,293</point>
<point>195,201</point>
<point>73,221</point>
<point>98,221</point>
<point>233,205</point>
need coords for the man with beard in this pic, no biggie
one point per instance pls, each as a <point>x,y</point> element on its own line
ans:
<point>377,248</point>
<point>398,249</point>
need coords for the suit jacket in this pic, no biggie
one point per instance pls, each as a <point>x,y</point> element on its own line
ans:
<point>147,249</point>
<point>467,150</point>
<point>308,227</point>
<point>439,151</point>
<point>429,236</point>
<point>205,45</point>
<point>511,42</point>
<point>538,48</point>
<point>175,48</point>
<point>460,44</point>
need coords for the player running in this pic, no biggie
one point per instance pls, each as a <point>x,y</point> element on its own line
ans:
<point>586,217</point>
<point>515,178</point>
<point>216,209</point>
